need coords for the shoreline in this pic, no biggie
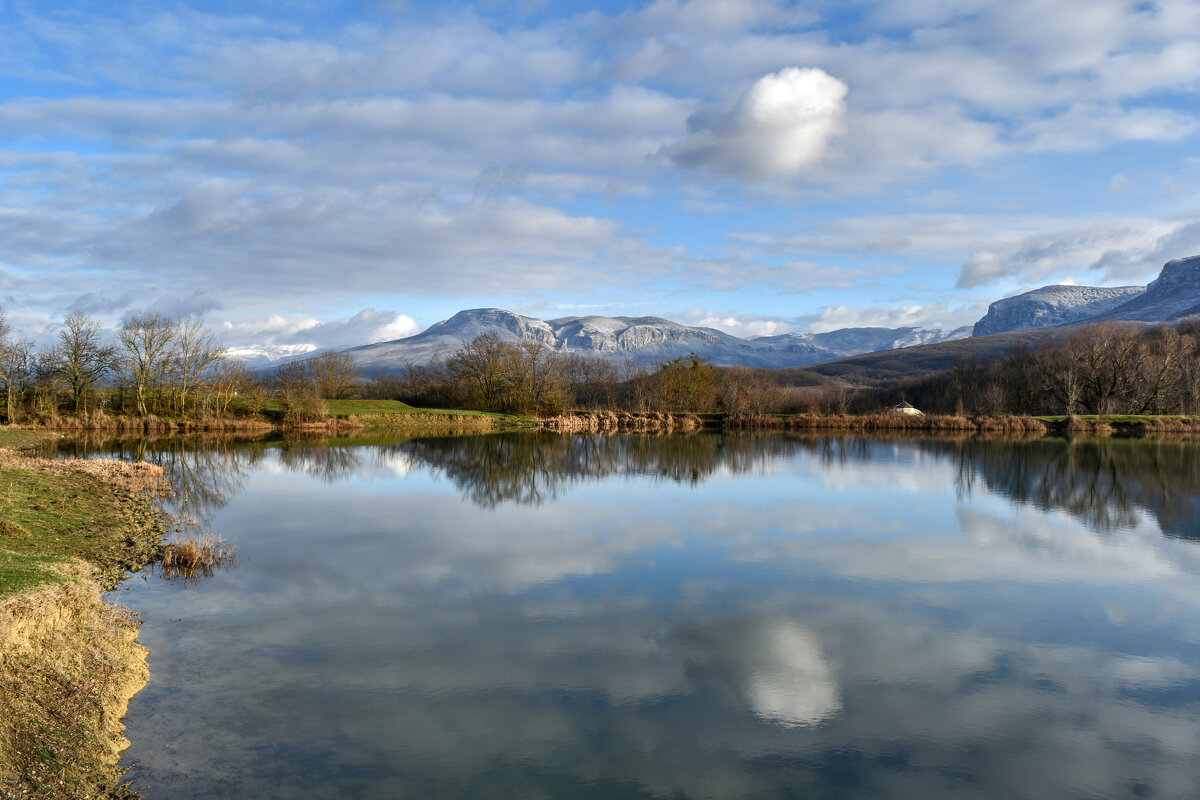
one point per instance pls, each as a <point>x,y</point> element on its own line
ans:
<point>453,421</point>
<point>69,661</point>
<point>653,422</point>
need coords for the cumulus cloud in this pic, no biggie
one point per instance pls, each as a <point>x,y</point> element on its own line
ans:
<point>781,126</point>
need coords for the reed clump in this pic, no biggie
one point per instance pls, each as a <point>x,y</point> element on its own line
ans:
<point>1010,424</point>
<point>623,422</point>
<point>196,558</point>
<point>1181,425</point>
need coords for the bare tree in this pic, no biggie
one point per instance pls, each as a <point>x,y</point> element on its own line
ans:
<point>146,353</point>
<point>81,357</point>
<point>15,365</point>
<point>333,374</point>
<point>228,379</point>
<point>480,367</point>
<point>194,354</point>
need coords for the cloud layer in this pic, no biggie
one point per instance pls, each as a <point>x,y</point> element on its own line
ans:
<point>759,156</point>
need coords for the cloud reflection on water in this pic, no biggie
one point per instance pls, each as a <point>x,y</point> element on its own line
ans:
<point>716,620</point>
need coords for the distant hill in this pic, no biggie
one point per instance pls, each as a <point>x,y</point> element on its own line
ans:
<point>1052,305</point>
<point>871,354</point>
<point>1026,319</point>
<point>1173,295</point>
<point>643,341</point>
<point>886,368</point>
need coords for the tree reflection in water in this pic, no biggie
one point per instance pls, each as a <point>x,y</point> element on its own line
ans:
<point>1105,483</point>
<point>204,471</point>
<point>534,468</point>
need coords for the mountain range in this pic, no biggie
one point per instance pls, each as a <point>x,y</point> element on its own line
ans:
<point>648,341</point>
<point>642,341</point>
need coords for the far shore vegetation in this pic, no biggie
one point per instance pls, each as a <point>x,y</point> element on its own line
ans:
<point>168,376</point>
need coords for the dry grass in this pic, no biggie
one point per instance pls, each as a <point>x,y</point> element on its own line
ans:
<point>196,558</point>
<point>624,422</point>
<point>1095,427</point>
<point>1175,425</point>
<point>425,423</point>
<point>69,664</point>
<point>886,422</point>
<point>151,425</point>
<point>1009,424</point>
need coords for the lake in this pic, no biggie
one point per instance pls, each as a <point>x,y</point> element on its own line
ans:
<point>706,616</point>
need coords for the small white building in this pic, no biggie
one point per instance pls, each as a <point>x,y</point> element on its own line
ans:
<point>906,408</point>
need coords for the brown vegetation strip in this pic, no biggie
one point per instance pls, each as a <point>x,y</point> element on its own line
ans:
<point>624,422</point>
<point>150,425</point>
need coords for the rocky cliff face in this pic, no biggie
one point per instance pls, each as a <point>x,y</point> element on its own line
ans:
<point>1174,294</point>
<point>645,341</point>
<point>1052,305</point>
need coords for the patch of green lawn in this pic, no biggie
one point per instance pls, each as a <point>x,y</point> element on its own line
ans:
<point>50,515</point>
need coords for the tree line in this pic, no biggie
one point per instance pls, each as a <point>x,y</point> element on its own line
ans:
<point>1105,368</point>
<point>532,378</point>
<point>157,365</point>
<point>173,367</point>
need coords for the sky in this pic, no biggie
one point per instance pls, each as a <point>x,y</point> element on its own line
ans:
<point>308,174</point>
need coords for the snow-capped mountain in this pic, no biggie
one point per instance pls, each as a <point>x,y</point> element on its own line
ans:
<point>643,341</point>
<point>1052,305</point>
<point>1174,295</point>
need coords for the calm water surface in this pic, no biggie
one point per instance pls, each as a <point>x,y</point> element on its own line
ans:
<point>534,616</point>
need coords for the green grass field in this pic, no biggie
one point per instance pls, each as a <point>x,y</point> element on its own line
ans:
<point>52,512</point>
<point>353,408</point>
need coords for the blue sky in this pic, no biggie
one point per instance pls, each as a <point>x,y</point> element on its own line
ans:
<point>313,174</point>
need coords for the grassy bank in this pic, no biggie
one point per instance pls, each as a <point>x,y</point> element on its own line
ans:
<point>68,662</point>
<point>274,414</point>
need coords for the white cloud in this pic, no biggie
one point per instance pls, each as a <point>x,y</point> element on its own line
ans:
<point>278,336</point>
<point>745,326</point>
<point>1114,249</point>
<point>781,126</point>
<point>246,157</point>
<point>1090,127</point>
